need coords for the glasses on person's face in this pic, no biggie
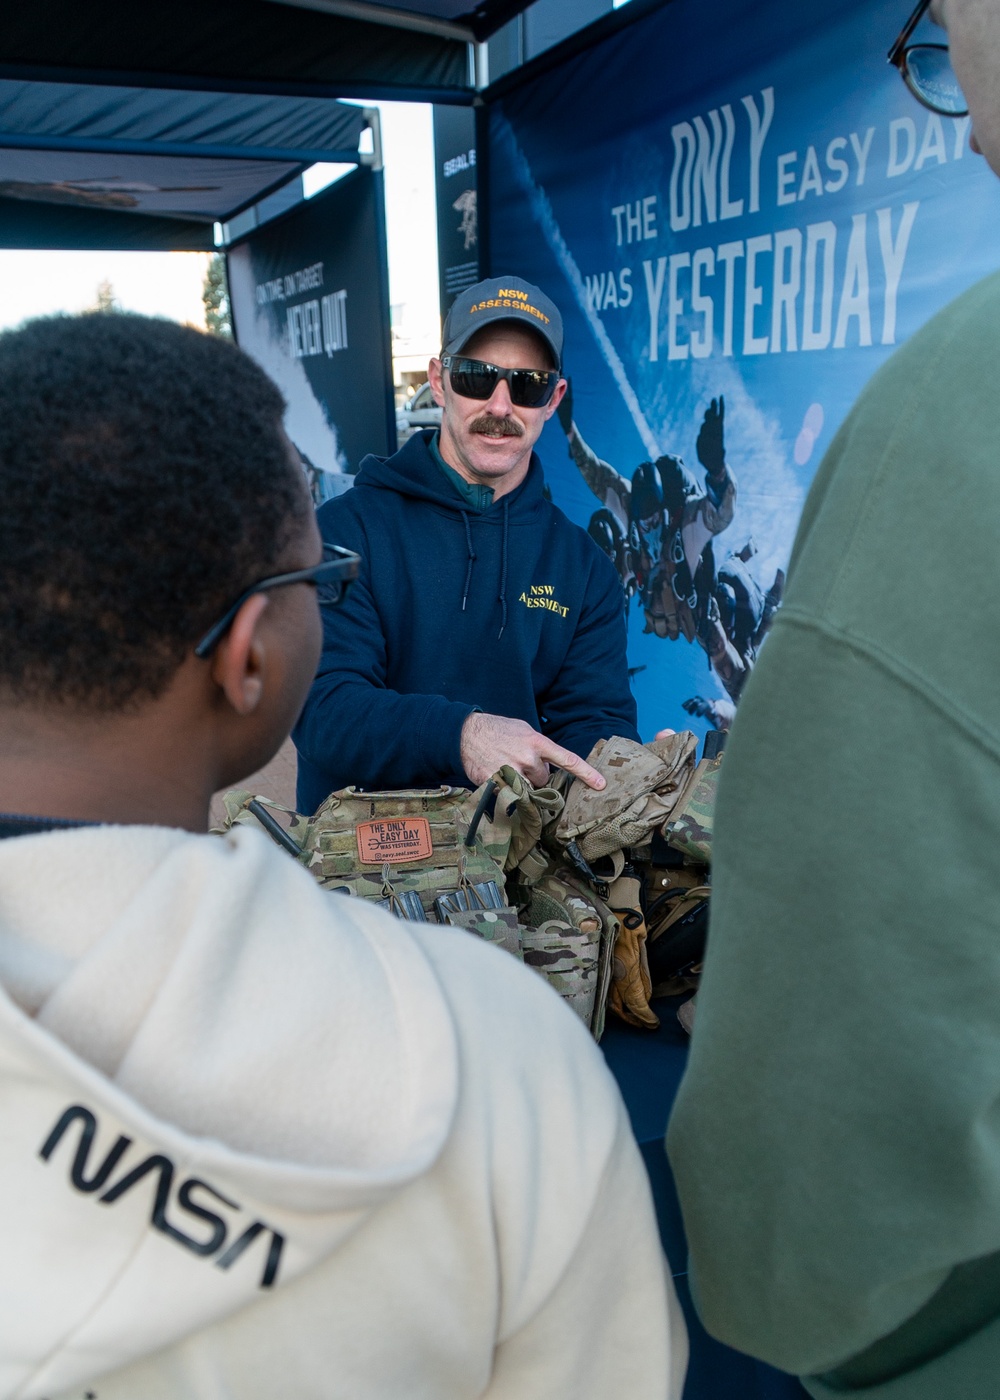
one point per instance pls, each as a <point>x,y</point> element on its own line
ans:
<point>475,379</point>
<point>332,578</point>
<point>926,70</point>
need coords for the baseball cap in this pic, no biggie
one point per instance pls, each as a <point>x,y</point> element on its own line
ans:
<point>503,299</point>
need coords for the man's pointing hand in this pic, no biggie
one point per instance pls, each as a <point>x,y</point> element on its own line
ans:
<point>490,741</point>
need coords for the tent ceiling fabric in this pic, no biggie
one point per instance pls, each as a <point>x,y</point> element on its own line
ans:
<point>191,157</point>
<point>54,116</point>
<point>230,45</point>
<point>208,190</point>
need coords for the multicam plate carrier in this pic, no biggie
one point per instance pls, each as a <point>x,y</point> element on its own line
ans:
<point>439,855</point>
<point>500,863</point>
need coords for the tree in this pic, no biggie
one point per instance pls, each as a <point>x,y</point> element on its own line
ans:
<point>106,299</point>
<point>215,296</point>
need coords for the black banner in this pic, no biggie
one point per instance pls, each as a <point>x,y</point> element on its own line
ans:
<point>457,211</point>
<point>310,301</point>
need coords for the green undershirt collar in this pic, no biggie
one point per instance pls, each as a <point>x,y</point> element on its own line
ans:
<point>475,496</point>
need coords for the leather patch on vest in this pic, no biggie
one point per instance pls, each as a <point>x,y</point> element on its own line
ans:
<point>394,840</point>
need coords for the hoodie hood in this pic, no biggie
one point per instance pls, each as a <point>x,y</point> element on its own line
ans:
<point>211,1072</point>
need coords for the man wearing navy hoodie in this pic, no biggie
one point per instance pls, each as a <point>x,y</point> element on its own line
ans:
<point>485,628</point>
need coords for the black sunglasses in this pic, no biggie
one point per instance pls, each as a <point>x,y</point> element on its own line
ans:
<point>475,379</point>
<point>926,70</point>
<point>332,578</point>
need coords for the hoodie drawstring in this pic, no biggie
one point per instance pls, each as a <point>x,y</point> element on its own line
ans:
<point>472,558</point>
<point>503,564</point>
<point>503,570</point>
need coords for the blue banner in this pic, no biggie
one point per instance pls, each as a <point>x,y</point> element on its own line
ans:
<point>741,211</point>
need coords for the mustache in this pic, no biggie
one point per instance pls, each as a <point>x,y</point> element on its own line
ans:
<point>492,426</point>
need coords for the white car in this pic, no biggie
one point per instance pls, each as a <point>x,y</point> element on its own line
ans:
<point>418,412</point>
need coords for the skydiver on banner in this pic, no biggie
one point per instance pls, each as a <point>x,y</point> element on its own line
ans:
<point>658,529</point>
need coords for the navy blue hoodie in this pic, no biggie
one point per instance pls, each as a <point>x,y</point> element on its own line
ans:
<point>513,610</point>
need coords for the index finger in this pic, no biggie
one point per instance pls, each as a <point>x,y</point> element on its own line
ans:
<point>572,763</point>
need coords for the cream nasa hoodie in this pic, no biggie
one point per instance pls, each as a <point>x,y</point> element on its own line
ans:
<point>257,1140</point>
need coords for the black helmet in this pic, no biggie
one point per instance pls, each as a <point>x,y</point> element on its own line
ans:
<point>606,533</point>
<point>647,491</point>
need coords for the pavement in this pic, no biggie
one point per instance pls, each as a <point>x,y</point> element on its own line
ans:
<point>276,780</point>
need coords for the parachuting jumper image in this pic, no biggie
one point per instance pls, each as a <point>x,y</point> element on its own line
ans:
<point>659,530</point>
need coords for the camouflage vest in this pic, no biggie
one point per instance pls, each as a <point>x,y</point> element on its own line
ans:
<point>447,856</point>
<point>562,883</point>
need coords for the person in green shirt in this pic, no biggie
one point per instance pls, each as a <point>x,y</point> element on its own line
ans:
<point>836,1141</point>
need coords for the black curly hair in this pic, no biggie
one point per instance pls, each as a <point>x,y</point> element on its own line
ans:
<point>144,482</point>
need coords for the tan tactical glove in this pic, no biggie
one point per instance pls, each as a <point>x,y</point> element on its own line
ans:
<point>631,985</point>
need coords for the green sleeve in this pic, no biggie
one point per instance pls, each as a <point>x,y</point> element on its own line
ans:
<point>836,1140</point>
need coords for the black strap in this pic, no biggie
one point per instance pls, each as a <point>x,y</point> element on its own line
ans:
<point>489,796</point>
<point>274,829</point>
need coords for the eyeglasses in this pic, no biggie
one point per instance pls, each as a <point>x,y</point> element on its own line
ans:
<point>332,579</point>
<point>475,379</point>
<point>926,70</point>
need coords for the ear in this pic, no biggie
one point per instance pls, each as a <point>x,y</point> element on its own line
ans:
<point>435,373</point>
<point>555,400</point>
<point>238,662</point>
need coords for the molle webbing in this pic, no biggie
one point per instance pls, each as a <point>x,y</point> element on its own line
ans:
<point>561,876</point>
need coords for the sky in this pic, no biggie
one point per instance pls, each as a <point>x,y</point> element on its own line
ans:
<point>35,283</point>
<point>411,222</point>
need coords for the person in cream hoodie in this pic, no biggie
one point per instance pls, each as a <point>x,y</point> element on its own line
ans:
<point>256,1140</point>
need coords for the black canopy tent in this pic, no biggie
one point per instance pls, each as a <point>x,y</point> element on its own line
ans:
<point>240,95</point>
<point>140,126</point>
<point>420,50</point>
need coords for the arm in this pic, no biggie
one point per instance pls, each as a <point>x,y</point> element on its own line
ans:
<point>607,485</point>
<point>719,504</point>
<point>611,1325</point>
<point>836,1140</point>
<point>591,698</point>
<point>720,486</point>
<point>611,489</point>
<point>354,729</point>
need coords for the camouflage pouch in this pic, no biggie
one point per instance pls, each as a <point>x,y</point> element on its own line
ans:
<point>512,818</point>
<point>570,941</point>
<point>412,841</point>
<point>497,926</point>
<point>643,783</point>
<point>689,827</point>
